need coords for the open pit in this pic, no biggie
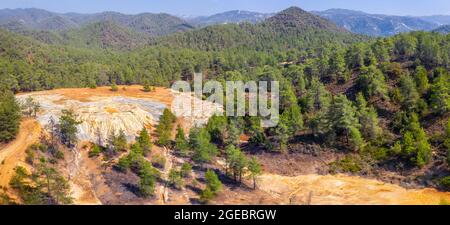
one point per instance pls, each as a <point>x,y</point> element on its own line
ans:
<point>104,112</point>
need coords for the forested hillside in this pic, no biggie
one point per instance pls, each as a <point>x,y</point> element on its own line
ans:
<point>292,28</point>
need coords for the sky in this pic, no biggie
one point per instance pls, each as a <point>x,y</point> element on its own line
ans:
<point>209,7</point>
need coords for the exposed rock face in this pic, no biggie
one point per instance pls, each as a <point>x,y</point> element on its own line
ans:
<point>102,116</point>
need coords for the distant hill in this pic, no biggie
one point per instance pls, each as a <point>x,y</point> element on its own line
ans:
<point>445,29</point>
<point>37,19</point>
<point>149,23</point>
<point>438,19</point>
<point>105,34</point>
<point>295,18</point>
<point>290,28</point>
<point>375,24</point>
<point>235,16</point>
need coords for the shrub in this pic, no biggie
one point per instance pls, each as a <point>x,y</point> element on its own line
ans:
<point>445,182</point>
<point>186,169</point>
<point>159,161</point>
<point>95,151</point>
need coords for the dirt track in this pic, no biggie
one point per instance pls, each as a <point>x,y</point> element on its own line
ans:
<point>13,154</point>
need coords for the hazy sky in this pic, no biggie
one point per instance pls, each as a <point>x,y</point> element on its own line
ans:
<point>207,7</point>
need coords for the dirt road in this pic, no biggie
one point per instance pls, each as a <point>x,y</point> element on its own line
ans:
<point>13,154</point>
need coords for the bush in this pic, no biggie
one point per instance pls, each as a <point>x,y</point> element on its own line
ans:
<point>159,161</point>
<point>30,156</point>
<point>212,181</point>
<point>186,169</point>
<point>206,195</point>
<point>114,87</point>
<point>95,151</point>
<point>175,178</point>
<point>124,164</point>
<point>348,164</point>
<point>445,182</point>
<point>59,155</point>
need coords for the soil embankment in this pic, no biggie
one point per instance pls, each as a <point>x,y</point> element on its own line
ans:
<point>13,154</point>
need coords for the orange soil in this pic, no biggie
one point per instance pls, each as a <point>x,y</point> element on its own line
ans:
<point>111,110</point>
<point>13,154</point>
<point>343,189</point>
<point>163,95</point>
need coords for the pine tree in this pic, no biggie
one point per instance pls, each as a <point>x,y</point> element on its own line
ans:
<point>68,127</point>
<point>114,86</point>
<point>164,128</point>
<point>217,126</point>
<point>236,162</point>
<point>317,96</point>
<point>233,133</point>
<point>440,94</point>
<point>181,143</point>
<point>421,78</point>
<point>147,87</point>
<point>255,169</point>
<point>368,118</point>
<point>372,82</point>
<point>212,181</point>
<point>409,93</point>
<point>144,141</point>
<point>337,68</point>
<point>200,142</point>
<point>343,118</point>
<point>447,141</point>
<point>9,116</point>
<point>415,145</point>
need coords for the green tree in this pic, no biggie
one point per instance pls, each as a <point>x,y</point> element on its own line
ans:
<point>255,169</point>
<point>415,143</point>
<point>233,133</point>
<point>372,82</point>
<point>114,86</point>
<point>421,78</point>
<point>217,127</point>
<point>440,94</point>
<point>144,141</point>
<point>68,127</point>
<point>212,181</point>
<point>147,87</point>
<point>9,116</point>
<point>30,107</point>
<point>317,97</point>
<point>181,144</point>
<point>164,128</point>
<point>368,118</point>
<point>337,69</point>
<point>175,178</point>
<point>343,118</point>
<point>200,142</point>
<point>147,175</point>
<point>409,93</point>
<point>447,141</point>
<point>236,162</point>
<point>95,151</point>
<point>186,169</point>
